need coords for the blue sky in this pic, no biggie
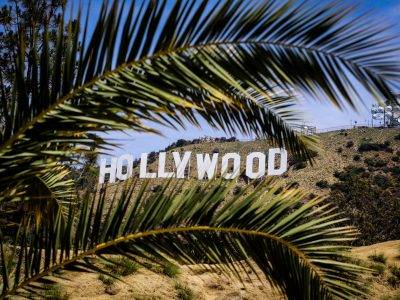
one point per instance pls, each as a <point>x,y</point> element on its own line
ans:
<point>316,113</point>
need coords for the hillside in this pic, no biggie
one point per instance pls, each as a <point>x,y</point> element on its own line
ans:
<point>192,282</point>
<point>334,155</point>
<point>358,168</point>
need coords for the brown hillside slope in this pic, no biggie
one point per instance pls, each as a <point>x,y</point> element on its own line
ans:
<point>337,151</point>
<point>334,154</point>
<point>193,283</point>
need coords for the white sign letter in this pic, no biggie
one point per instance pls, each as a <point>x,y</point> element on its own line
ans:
<point>111,170</point>
<point>181,164</point>
<point>271,161</point>
<point>261,165</point>
<point>204,165</point>
<point>143,167</point>
<point>161,167</point>
<point>236,165</point>
<point>120,163</point>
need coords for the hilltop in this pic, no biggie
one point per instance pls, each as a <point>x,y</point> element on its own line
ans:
<point>356,169</point>
<point>337,150</point>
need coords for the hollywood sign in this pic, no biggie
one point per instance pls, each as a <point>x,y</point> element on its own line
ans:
<point>255,163</point>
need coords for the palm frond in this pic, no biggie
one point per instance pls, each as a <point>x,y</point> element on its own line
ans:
<point>230,63</point>
<point>299,250</point>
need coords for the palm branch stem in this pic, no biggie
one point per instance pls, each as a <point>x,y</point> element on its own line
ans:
<point>161,231</point>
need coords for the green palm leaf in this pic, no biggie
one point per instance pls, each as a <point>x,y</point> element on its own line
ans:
<point>229,63</point>
<point>298,250</point>
<point>236,65</point>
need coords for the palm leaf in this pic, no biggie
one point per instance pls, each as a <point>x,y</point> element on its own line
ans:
<point>233,64</point>
<point>298,250</point>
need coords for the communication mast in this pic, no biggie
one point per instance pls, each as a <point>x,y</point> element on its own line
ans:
<point>389,114</point>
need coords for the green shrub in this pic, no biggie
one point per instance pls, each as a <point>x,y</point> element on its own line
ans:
<point>375,162</point>
<point>53,292</point>
<point>393,281</point>
<point>377,269</point>
<point>382,181</point>
<point>313,153</point>
<point>396,158</point>
<point>323,184</point>
<point>395,171</point>
<point>157,188</point>
<point>356,157</point>
<point>123,266</point>
<point>379,258</point>
<point>350,144</point>
<point>339,150</point>
<point>300,165</point>
<point>366,146</point>
<point>107,280</point>
<point>184,292</point>
<point>349,172</point>
<point>171,270</point>
<point>293,185</point>
<point>397,137</point>
<point>237,190</point>
<point>395,270</point>
<point>311,196</point>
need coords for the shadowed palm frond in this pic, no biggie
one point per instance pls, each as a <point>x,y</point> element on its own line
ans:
<point>232,64</point>
<point>299,248</point>
<point>239,66</point>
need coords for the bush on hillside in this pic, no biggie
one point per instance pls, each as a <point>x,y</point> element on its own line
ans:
<point>237,190</point>
<point>377,269</point>
<point>379,258</point>
<point>359,196</point>
<point>382,181</point>
<point>366,146</point>
<point>158,188</point>
<point>395,270</point>
<point>349,172</point>
<point>375,162</point>
<point>293,185</point>
<point>395,171</point>
<point>298,163</point>
<point>350,144</point>
<point>393,281</point>
<point>323,184</point>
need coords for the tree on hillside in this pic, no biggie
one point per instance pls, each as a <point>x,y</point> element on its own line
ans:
<point>22,22</point>
<point>234,65</point>
<point>23,19</point>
